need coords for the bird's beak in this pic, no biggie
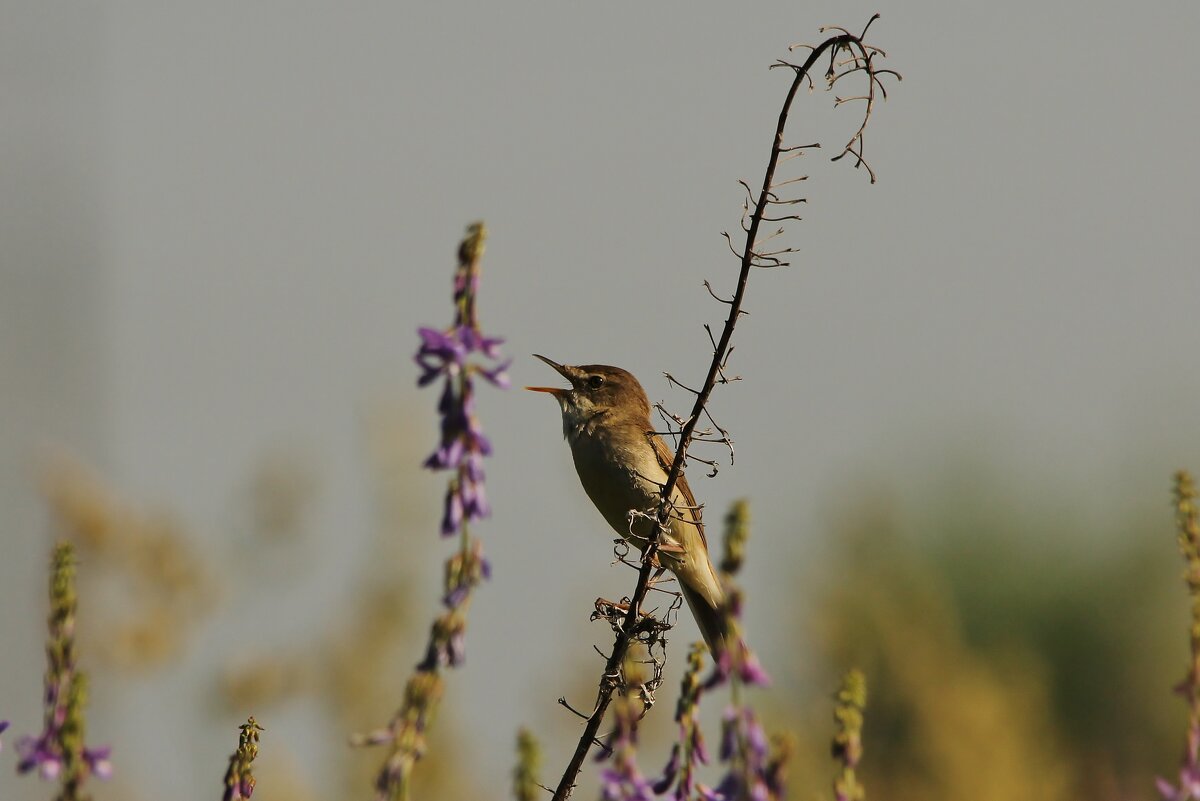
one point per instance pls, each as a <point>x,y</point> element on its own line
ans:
<point>562,369</point>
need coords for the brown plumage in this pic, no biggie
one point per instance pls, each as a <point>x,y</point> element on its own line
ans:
<point>623,466</point>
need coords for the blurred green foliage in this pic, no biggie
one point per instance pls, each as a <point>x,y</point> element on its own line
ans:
<point>1014,650</point>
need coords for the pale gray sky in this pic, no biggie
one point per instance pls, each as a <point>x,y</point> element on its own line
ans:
<point>220,224</point>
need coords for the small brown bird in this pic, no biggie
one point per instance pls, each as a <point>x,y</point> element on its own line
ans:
<point>623,466</point>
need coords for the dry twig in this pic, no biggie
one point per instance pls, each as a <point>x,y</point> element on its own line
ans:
<point>631,624</point>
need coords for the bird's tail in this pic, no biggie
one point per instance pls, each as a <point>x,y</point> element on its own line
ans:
<point>712,618</point>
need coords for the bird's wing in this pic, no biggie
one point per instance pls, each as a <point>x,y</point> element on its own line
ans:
<point>665,458</point>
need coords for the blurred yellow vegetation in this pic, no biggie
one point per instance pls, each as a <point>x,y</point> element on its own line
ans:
<point>1004,661</point>
<point>355,671</point>
<point>282,492</point>
<point>151,585</point>
<point>149,588</point>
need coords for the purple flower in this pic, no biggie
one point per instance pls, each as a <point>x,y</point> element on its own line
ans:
<point>456,648</point>
<point>3,726</point>
<point>619,783</point>
<point>752,671</point>
<point>462,444</point>
<point>452,514</point>
<point>621,780</point>
<point>1189,783</point>
<point>99,764</point>
<point>464,571</point>
<point>456,596</point>
<point>441,353</point>
<point>744,748</point>
<point>689,751</point>
<point>497,376</point>
<point>476,342</point>
<point>728,734</point>
<point>474,499</point>
<point>1188,789</point>
<point>454,355</point>
<point>749,670</point>
<point>669,772</point>
<point>447,642</point>
<point>444,353</point>
<point>40,754</point>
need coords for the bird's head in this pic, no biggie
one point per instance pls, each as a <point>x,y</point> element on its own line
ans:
<point>597,390</point>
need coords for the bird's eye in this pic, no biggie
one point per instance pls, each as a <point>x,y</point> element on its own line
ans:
<point>595,382</point>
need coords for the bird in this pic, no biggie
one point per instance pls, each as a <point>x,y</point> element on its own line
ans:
<point>623,464</point>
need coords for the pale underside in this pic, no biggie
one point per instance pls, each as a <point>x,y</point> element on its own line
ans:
<point>624,481</point>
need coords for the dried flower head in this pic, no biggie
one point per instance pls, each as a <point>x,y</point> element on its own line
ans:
<point>847,742</point>
<point>529,761</point>
<point>1187,524</point>
<point>239,776</point>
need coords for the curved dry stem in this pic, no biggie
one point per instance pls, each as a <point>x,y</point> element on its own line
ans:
<point>631,625</point>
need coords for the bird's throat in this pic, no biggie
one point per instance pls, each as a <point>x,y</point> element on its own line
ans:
<point>579,424</point>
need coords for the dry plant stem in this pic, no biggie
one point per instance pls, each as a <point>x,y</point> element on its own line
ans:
<point>1187,521</point>
<point>610,680</point>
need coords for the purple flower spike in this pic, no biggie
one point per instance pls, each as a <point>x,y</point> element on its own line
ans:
<point>621,780</point>
<point>616,785</point>
<point>744,749</point>
<point>454,356</point>
<point>58,751</point>
<point>462,444</point>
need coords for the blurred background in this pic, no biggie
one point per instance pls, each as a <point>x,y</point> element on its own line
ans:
<point>221,224</point>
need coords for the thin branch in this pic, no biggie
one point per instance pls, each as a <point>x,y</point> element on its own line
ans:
<point>717,297</point>
<point>680,384</point>
<point>729,241</point>
<point>632,625</point>
<point>562,701</point>
<point>785,183</point>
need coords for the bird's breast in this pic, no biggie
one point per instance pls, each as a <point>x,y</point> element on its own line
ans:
<point>620,477</point>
